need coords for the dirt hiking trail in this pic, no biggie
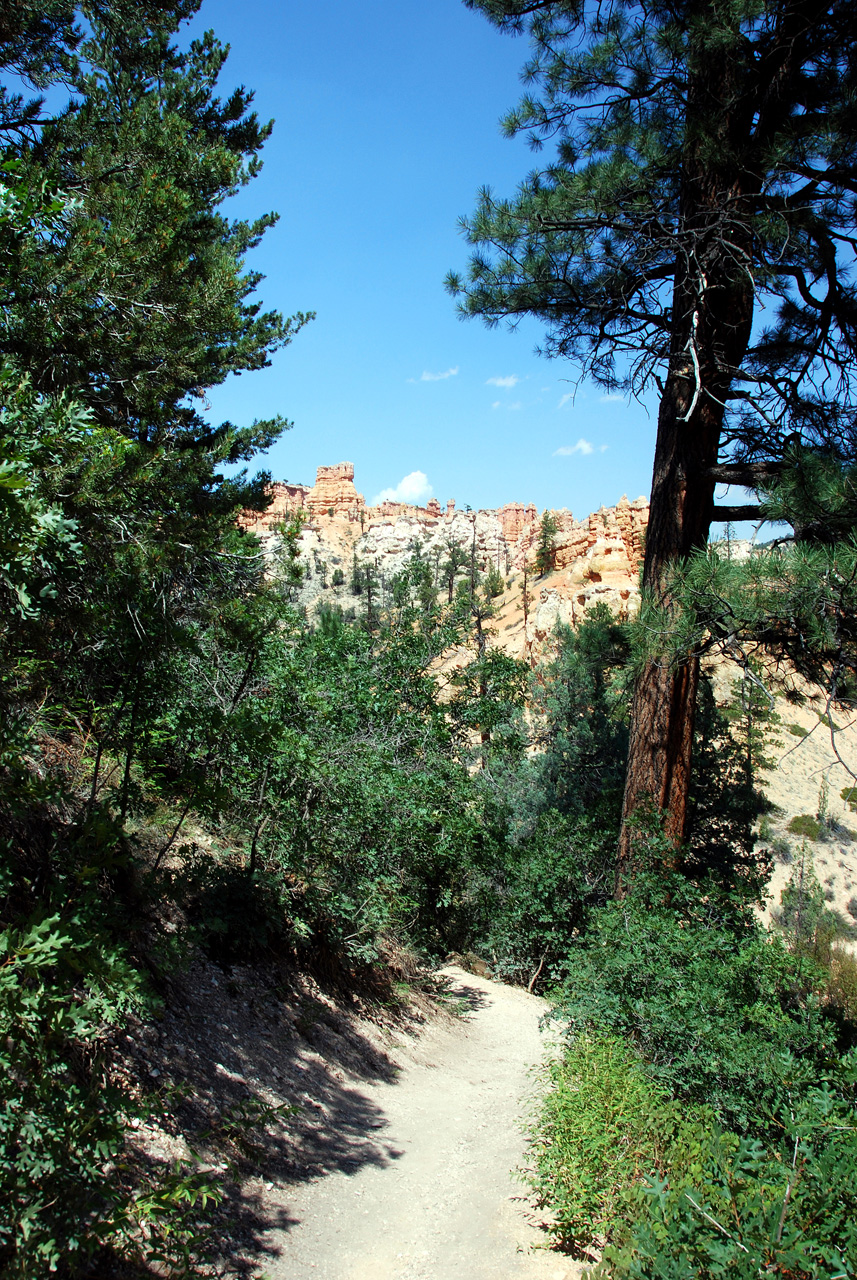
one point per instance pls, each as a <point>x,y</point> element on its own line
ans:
<point>440,1201</point>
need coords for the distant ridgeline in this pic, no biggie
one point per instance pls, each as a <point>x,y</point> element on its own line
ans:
<point>597,558</point>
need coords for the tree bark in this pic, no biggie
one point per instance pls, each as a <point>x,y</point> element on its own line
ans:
<point>664,704</point>
<point>712,315</point>
<point>749,511</point>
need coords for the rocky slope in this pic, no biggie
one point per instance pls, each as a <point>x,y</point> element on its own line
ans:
<point>596,559</point>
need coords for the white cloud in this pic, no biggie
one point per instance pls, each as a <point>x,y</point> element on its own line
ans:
<point>498,404</point>
<point>582,447</point>
<point>511,381</point>
<point>504,404</point>
<point>569,395</point>
<point>426,376</point>
<point>604,448</point>
<point>413,488</point>
<point>609,399</point>
<point>516,404</point>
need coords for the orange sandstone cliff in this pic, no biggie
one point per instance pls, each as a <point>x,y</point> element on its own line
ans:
<point>596,559</point>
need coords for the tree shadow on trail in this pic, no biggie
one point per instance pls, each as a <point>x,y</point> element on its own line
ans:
<point>270,1083</point>
<point>455,990</point>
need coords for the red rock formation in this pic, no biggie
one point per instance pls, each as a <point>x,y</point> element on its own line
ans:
<point>388,511</point>
<point>288,499</point>
<point>632,518</point>
<point>334,494</point>
<point>613,536</point>
<point>514,518</point>
<point>599,554</point>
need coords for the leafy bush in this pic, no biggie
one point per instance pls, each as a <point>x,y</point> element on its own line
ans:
<point>672,1194</point>
<point>600,1129</point>
<point>747,1209</point>
<point>716,1009</point>
<point>782,850</point>
<point>701,1119</point>
<point>66,1190</point>
<point>806,825</point>
<point>842,987</point>
<point>554,809</point>
<point>623,1164</point>
<point>539,897</point>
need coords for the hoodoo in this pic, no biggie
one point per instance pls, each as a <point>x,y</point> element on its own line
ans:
<point>594,559</point>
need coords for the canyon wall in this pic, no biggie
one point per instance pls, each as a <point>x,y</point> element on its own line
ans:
<point>332,496</point>
<point>596,559</point>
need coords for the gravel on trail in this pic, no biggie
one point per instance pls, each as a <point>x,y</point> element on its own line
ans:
<point>440,1201</point>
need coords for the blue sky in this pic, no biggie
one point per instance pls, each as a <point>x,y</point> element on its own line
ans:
<point>386,127</point>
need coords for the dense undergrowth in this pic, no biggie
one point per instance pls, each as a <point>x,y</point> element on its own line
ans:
<point>701,1120</point>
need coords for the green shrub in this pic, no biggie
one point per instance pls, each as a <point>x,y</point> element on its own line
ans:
<point>701,1121</point>
<point>842,986</point>
<point>67,1192</point>
<point>747,1209</point>
<point>670,1194</point>
<point>602,1128</point>
<point>778,845</point>
<point>798,730</point>
<point>538,897</point>
<point>806,825</point>
<point>781,849</point>
<point>710,1002</point>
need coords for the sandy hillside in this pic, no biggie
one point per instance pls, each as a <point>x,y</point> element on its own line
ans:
<point>814,754</point>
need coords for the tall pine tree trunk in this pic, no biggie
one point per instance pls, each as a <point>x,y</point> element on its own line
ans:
<point>711,324</point>
<point>662,713</point>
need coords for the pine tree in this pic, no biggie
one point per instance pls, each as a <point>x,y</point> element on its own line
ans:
<point>494,584</point>
<point>456,560</point>
<point>149,152</point>
<point>129,298</point>
<point>794,602</point>
<point>705,162</point>
<point>546,545</point>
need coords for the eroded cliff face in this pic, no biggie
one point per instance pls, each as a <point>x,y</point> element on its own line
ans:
<point>333,496</point>
<point>596,559</point>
